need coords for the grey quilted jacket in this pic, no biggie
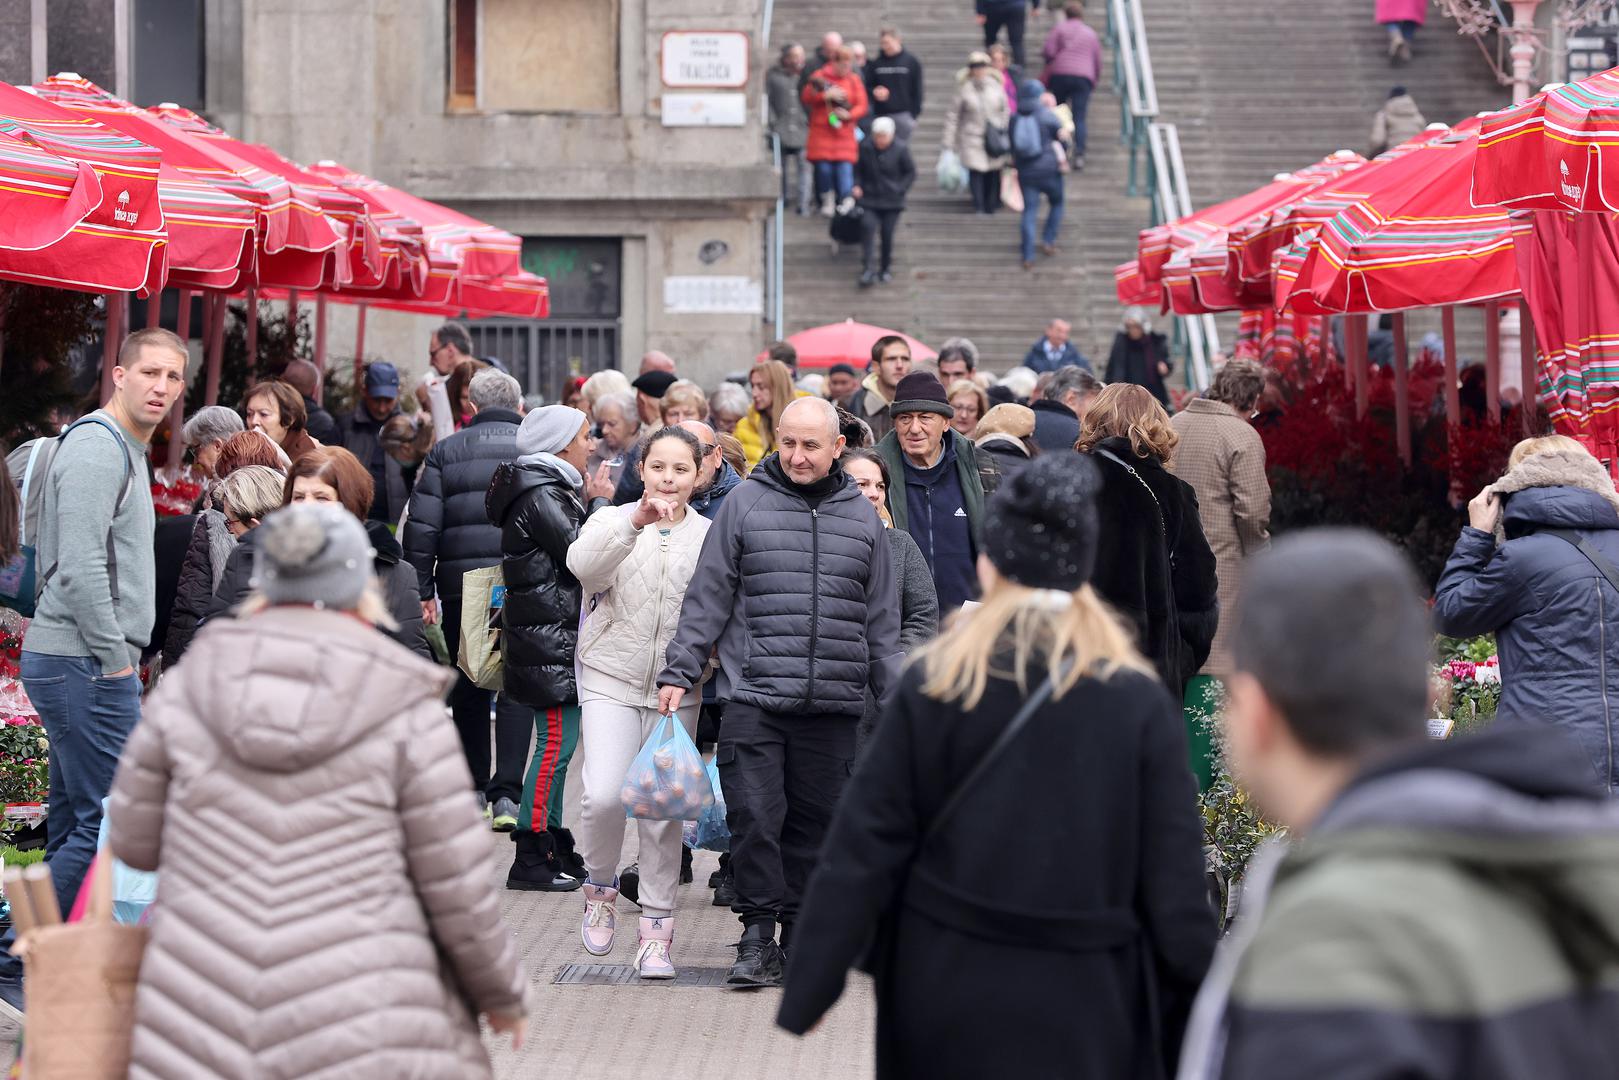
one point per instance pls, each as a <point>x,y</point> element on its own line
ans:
<point>324,908</point>
<point>796,585</point>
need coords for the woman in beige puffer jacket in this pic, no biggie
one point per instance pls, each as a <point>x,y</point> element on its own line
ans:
<point>325,907</point>
<point>634,563</point>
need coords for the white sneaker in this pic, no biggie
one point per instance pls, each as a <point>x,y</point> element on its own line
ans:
<point>652,957</point>
<point>600,921</point>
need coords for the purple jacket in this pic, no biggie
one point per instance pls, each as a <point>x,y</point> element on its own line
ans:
<point>1072,48</point>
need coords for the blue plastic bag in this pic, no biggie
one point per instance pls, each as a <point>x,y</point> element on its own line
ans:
<point>712,834</point>
<point>132,890</point>
<point>667,781</point>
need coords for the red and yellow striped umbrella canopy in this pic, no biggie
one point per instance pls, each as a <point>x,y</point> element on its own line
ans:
<point>1558,150</point>
<point>79,201</point>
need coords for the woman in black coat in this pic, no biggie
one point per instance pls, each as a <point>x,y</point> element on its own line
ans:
<point>1140,356</point>
<point>1154,565</point>
<point>1101,932</point>
<point>537,503</point>
<point>883,175</point>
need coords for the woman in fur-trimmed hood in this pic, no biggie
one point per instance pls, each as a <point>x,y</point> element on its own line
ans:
<point>1538,565</point>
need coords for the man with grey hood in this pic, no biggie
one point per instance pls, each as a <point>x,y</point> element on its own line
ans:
<point>795,586</point>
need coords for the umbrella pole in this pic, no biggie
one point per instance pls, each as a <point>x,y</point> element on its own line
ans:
<point>320,333</point>
<point>1453,392</point>
<point>252,329</point>
<point>1356,341</point>
<point>182,330</point>
<point>1402,390</point>
<point>359,349</point>
<point>216,347</point>
<point>1492,360</point>
<point>1531,371</point>
<point>112,333</point>
<point>154,310</point>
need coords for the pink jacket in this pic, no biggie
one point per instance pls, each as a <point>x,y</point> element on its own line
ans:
<point>1072,48</point>
<point>1402,11</point>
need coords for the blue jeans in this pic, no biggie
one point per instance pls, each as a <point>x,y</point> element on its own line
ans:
<point>1051,187</point>
<point>87,719</point>
<point>834,176</point>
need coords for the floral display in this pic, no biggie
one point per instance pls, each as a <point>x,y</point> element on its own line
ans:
<point>178,494</point>
<point>24,757</point>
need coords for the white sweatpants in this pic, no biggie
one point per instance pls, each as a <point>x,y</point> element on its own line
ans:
<point>610,735</point>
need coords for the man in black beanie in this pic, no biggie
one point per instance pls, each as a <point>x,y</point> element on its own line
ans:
<point>940,482</point>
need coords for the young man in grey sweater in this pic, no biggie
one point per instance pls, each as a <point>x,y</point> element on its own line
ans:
<point>98,602</point>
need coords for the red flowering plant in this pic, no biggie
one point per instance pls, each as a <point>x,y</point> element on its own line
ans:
<point>24,750</point>
<point>175,493</point>
<point>1329,467</point>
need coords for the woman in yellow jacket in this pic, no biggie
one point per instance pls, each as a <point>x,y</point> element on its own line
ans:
<point>771,383</point>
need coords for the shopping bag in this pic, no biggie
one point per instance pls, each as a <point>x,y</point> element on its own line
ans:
<point>951,175</point>
<point>712,833</point>
<point>667,780</point>
<point>483,594</point>
<point>1011,191</point>
<point>81,989</point>
<point>132,890</point>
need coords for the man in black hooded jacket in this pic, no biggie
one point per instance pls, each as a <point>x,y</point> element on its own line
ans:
<point>795,586</point>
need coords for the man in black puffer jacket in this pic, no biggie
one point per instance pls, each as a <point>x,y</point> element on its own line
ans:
<point>448,533</point>
<point>536,501</point>
<point>796,587</point>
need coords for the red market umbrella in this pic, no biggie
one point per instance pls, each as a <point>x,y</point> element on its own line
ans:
<point>1554,151</point>
<point>847,342</point>
<point>295,239</point>
<point>211,233</point>
<point>1570,268</point>
<point>106,232</point>
<point>1131,288</point>
<point>1415,242</point>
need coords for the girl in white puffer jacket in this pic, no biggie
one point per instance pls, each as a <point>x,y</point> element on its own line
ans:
<point>634,563</point>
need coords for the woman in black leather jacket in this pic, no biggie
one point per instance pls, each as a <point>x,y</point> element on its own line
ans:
<point>538,503</point>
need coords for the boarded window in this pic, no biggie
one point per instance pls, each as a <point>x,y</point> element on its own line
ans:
<point>549,56</point>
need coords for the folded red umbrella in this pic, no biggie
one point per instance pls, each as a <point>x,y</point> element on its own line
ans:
<point>847,342</point>
<point>1132,288</point>
<point>79,202</point>
<point>1555,151</point>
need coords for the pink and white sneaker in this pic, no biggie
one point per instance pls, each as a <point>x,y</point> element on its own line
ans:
<point>652,957</point>
<point>600,921</point>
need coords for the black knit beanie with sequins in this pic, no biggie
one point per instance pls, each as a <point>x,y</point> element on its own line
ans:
<point>1040,529</point>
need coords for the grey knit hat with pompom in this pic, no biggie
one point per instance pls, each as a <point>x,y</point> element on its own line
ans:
<point>312,554</point>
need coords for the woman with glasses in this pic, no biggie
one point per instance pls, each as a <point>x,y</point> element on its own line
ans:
<point>918,600</point>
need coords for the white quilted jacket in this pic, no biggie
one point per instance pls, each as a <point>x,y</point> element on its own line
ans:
<point>634,582</point>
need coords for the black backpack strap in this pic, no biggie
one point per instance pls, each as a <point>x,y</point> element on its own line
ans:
<point>1008,734</point>
<point>1604,567</point>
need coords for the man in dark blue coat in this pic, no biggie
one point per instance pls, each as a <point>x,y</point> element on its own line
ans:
<point>795,586</point>
<point>448,533</point>
<point>1054,350</point>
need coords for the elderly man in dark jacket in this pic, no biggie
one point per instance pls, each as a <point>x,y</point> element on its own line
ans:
<point>360,432</point>
<point>1057,413</point>
<point>448,533</point>
<point>882,176</point>
<point>1445,909</point>
<point>795,586</point>
<point>939,486</point>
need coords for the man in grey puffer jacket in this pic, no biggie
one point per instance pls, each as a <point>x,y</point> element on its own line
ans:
<point>795,585</point>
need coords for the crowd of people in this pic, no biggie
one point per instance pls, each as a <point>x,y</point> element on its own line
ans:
<point>948,636</point>
<point>844,123</point>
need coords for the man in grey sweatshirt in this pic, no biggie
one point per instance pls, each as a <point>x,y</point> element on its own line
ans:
<point>98,602</point>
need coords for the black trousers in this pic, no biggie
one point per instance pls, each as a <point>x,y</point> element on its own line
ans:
<point>782,775</point>
<point>1013,18</point>
<point>986,190</point>
<point>873,222</point>
<point>469,704</point>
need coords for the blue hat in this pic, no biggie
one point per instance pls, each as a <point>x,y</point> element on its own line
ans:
<point>382,380</point>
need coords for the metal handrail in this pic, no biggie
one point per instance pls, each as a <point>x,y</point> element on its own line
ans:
<point>1132,78</point>
<point>1196,335</point>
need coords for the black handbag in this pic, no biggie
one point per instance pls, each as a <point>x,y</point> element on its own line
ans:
<point>997,141</point>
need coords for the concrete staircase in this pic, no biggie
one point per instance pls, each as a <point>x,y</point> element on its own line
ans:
<point>1255,88</point>
<point>956,273</point>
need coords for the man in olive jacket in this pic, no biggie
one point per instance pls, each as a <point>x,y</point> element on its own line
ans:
<point>1446,909</point>
<point>795,585</point>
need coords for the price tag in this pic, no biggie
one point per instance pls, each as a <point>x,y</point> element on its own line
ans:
<point>1440,727</point>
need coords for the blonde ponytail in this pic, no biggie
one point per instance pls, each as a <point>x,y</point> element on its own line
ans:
<point>1076,632</point>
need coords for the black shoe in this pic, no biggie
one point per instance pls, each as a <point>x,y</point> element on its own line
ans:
<point>758,961</point>
<point>867,279</point>
<point>725,891</point>
<point>536,867</point>
<point>685,865</point>
<point>716,877</point>
<point>572,863</point>
<point>629,883</point>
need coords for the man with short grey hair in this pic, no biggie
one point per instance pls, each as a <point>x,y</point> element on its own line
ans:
<point>795,586</point>
<point>204,430</point>
<point>1063,403</point>
<point>448,533</point>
